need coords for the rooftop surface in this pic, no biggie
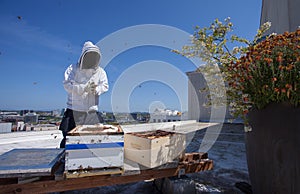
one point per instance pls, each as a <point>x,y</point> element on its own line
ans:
<point>227,152</point>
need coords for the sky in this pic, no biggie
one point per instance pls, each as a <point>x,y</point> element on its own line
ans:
<point>40,39</point>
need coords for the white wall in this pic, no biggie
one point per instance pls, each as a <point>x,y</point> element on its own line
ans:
<point>5,127</point>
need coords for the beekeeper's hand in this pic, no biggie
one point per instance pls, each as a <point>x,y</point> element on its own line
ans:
<point>90,88</point>
<point>93,87</point>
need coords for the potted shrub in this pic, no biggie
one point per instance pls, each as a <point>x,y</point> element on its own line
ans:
<point>262,79</point>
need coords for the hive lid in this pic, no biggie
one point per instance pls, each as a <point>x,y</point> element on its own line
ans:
<point>29,162</point>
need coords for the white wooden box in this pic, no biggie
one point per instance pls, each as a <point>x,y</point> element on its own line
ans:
<point>90,149</point>
<point>151,150</point>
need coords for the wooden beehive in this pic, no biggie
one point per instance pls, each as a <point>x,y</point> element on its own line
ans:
<point>152,149</point>
<point>90,147</point>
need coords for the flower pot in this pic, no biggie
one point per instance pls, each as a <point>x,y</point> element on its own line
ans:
<point>273,149</point>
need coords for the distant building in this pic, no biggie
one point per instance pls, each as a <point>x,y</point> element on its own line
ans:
<point>31,117</point>
<point>21,126</point>
<point>44,127</point>
<point>140,116</point>
<point>23,112</point>
<point>8,113</point>
<point>62,112</point>
<point>165,115</point>
<point>107,116</point>
<point>5,127</point>
<point>197,100</point>
<point>124,118</point>
<point>11,117</point>
<point>56,113</point>
<point>18,126</point>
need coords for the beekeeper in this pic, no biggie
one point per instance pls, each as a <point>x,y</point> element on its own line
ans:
<point>84,83</point>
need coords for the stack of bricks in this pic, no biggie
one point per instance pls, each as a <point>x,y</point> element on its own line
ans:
<point>195,162</point>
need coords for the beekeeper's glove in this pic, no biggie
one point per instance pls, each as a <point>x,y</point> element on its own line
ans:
<point>90,88</point>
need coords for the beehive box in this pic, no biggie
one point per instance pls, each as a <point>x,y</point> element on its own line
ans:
<point>152,149</point>
<point>92,147</point>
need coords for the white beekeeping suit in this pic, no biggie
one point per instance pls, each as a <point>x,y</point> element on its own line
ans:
<point>85,81</point>
<point>283,15</point>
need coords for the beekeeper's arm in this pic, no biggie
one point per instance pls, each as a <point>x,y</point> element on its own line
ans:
<point>103,83</point>
<point>69,83</point>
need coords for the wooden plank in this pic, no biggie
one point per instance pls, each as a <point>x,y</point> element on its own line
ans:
<point>101,180</point>
<point>6,181</point>
<point>110,171</point>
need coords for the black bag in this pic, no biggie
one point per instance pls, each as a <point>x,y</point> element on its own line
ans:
<point>67,123</point>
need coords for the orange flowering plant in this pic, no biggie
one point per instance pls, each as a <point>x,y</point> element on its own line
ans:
<point>256,72</point>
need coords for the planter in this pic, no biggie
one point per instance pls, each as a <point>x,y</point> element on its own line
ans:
<point>273,149</point>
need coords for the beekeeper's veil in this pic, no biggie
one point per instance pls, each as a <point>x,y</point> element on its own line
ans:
<point>90,56</point>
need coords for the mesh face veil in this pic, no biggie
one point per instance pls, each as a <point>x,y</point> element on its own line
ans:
<point>90,60</point>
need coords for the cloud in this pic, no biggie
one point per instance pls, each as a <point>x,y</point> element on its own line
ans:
<point>19,30</point>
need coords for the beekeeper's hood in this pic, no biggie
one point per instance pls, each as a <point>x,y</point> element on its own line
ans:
<point>90,56</point>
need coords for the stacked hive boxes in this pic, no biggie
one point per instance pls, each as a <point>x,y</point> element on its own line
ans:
<point>92,147</point>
